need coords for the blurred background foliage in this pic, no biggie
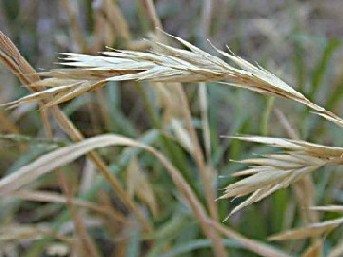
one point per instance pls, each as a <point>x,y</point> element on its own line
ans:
<point>300,41</point>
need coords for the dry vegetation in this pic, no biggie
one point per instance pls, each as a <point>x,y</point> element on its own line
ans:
<point>133,167</point>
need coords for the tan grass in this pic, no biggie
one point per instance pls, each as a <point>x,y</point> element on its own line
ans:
<point>47,163</point>
<point>309,231</point>
<point>180,110</point>
<point>51,197</point>
<point>138,185</point>
<point>169,64</point>
<point>166,64</point>
<point>314,250</point>
<point>275,171</point>
<point>10,56</point>
<point>331,208</point>
<point>75,27</point>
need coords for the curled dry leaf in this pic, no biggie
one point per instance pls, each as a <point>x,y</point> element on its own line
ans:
<point>57,158</point>
<point>275,171</point>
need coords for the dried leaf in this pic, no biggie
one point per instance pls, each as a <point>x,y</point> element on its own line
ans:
<point>312,230</point>
<point>24,231</point>
<point>333,208</point>
<point>138,183</point>
<point>315,249</point>
<point>57,158</point>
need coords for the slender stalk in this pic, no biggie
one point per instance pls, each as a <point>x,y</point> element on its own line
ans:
<point>205,177</point>
<point>17,64</point>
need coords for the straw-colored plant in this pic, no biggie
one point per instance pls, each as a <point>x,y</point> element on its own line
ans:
<point>169,64</point>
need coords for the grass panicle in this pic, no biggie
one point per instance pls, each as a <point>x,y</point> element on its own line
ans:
<point>169,64</point>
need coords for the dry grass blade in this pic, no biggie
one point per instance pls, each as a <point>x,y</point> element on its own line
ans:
<point>10,56</point>
<point>272,172</point>
<point>64,155</point>
<point>337,251</point>
<point>50,197</point>
<point>17,64</point>
<point>75,27</point>
<point>24,232</point>
<point>333,208</point>
<point>169,64</point>
<point>204,118</point>
<point>312,230</point>
<point>114,15</point>
<point>207,175</point>
<point>315,249</point>
<point>182,135</point>
<point>138,184</point>
<point>7,125</point>
<point>259,248</point>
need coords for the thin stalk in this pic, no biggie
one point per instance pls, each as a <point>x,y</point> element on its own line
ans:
<point>205,177</point>
<point>266,116</point>
<point>18,65</point>
<point>175,154</point>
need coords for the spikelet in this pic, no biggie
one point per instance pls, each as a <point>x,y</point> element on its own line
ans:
<point>166,64</point>
<point>275,171</point>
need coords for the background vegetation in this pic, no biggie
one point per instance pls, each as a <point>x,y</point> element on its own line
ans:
<point>122,201</point>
